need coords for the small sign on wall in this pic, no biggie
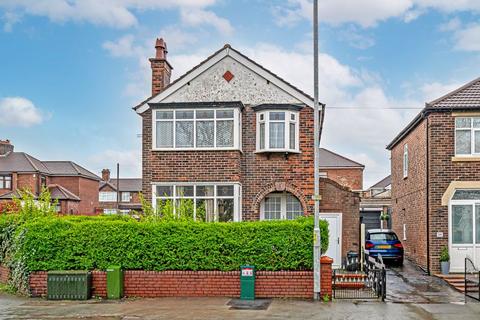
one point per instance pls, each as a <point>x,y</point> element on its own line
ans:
<point>439,234</point>
<point>247,272</point>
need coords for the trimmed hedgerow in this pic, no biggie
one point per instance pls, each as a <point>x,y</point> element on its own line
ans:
<point>63,244</point>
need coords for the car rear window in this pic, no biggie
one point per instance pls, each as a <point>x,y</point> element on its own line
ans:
<point>383,236</point>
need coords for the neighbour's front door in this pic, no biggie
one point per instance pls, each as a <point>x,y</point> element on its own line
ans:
<point>464,227</point>
<point>334,237</point>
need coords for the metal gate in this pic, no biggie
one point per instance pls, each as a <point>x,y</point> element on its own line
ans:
<point>472,280</point>
<point>367,284</point>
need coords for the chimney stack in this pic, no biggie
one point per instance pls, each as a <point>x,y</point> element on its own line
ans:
<point>5,147</point>
<point>106,175</point>
<point>161,69</point>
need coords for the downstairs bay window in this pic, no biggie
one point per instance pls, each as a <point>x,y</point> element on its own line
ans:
<point>207,202</point>
<point>278,131</point>
<point>196,129</point>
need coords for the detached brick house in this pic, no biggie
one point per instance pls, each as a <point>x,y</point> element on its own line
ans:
<point>237,140</point>
<point>75,188</point>
<point>127,189</point>
<point>435,164</point>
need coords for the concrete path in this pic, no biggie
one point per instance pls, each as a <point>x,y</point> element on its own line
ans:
<point>409,284</point>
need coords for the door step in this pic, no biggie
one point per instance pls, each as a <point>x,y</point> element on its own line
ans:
<point>458,282</point>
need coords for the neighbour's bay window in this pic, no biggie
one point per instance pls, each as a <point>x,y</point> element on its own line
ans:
<point>467,136</point>
<point>196,129</point>
<point>277,131</point>
<point>280,206</point>
<point>201,202</point>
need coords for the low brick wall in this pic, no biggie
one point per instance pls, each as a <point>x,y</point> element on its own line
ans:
<point>269,284</point>
<point>4,274</point>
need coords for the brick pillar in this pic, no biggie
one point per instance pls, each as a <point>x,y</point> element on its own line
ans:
<point>326,276</point>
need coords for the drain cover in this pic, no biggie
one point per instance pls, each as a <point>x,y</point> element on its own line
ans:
<point>258,304</point>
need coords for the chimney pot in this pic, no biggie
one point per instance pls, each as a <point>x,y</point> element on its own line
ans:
<point>5,147</point>
<point>106,175</point>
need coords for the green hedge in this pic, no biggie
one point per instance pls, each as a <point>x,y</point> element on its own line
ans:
<point>96,243</point>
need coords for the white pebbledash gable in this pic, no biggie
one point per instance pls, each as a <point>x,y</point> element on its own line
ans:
<point>210,81</point>
<point>246,86</point>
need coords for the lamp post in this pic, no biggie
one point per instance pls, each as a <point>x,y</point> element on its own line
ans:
<point>316,195</point>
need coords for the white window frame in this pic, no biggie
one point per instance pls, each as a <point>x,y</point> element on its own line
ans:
<point>236,129</point>
<point>472,137</point>
<point>283,205</point>
<point>288,120</point>
<point>110,211</point>
<point>102,196</point>
<point>126,196</point>
<point>6,178</point>
<point>405,161</point>
<point>237,194</point>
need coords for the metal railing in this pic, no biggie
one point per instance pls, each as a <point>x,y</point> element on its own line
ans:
<point>367,284</point>
<point>472,280</point>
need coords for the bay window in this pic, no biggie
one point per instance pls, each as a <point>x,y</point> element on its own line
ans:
<point>467,136</point>
<point>278,131</point>
<point>196,129</point>
<point>208,202</point>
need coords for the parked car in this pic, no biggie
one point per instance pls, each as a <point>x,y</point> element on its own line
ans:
<point>386,243</point>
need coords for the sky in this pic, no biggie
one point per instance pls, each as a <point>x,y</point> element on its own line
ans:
<point>71,70</point>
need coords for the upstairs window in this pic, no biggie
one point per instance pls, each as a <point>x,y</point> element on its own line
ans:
<point>277,131</point>
<point>405,161</point>
<point>107,196</point>
<point>196,129</point>
<point>467,136</point>
<point>6,182</point>
<point>125,196</point>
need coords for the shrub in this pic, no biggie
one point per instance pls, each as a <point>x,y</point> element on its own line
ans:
<point>444,255</point>
<point>96,243</point>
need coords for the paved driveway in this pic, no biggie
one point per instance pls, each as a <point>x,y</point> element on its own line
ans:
<point>409,284</point>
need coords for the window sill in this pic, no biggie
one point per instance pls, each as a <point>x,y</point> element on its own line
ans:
<point>466,159</point>
<point>277,151</point>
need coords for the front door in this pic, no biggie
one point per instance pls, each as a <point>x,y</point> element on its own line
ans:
<point>464,227</point>
<point>334,250</point>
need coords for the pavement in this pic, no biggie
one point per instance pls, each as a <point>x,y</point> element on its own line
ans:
<point>410,295</point>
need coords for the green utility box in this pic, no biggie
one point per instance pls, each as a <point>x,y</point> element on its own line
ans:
<point>247,282</point>
<point>114,282</point>
<point>69,285</point>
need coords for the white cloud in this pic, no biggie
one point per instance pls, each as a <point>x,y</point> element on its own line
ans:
<point>356,38</point>
<point>435,90</point>
<point>367,13</point>
<point>468,38</point>
<point>18,111</point>
<point>9,20</point>
<point>112,13</point>
<point>130,162</point>
<point>451,25</point>
<point>198,17</point>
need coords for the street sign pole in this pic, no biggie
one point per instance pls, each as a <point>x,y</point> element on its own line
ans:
<point>316,197</point>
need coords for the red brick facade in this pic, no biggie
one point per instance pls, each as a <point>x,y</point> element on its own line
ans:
<point>269,284</point>
<point>351,178</point>
<point>4,274</point>
<point>409,195</point>
<point>256,172</point>
<point>339,199</point>
<point>85,189</point>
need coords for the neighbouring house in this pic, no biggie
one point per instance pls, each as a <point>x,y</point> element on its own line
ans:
<point>75,188</point>
<point>340,169</point>
<point>127,189</point>
<point>236,141</point>
<point>375,202</point>
<point>435,163</point>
